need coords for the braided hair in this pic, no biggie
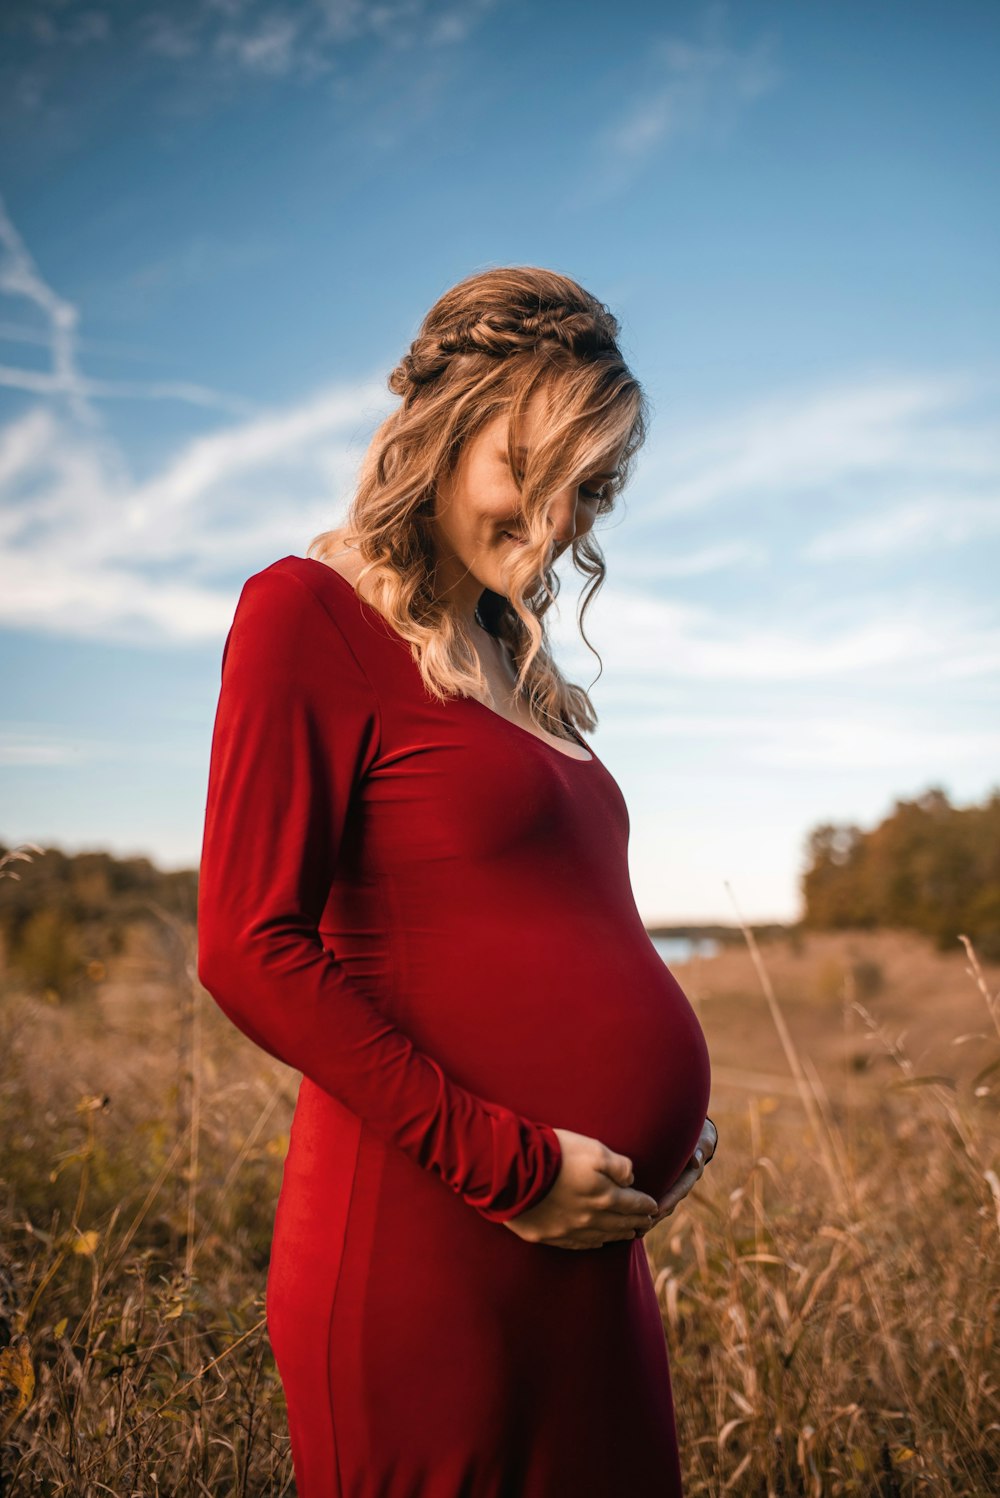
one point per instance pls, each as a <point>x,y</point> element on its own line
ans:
<point>515,310</point>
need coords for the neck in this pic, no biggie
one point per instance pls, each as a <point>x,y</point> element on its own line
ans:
<point>462,590</point>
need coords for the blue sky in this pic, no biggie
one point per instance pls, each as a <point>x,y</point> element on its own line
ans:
<point>220,225</point>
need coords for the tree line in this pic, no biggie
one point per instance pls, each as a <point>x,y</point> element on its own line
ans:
<point>928,866</point>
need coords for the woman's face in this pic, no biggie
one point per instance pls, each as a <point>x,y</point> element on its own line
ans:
<point>477,511</point>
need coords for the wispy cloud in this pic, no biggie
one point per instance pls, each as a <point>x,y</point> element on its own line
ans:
<point>80,536</point>
<point>271,45</point>
<point>87,551</point>
<point>684,88</point>
<point>922,523</point>
<point>659,565</point>
<point>902,430</point>
<point>43,746</point>
<point>52,26</point>
<point>806,480</point>
<point>645,641</point>
<point>36,746</point>
<point>22,280</point>
<point>299,41</point>
<point>894,738</point>
<point>82,389</point>
<point>455,23</point>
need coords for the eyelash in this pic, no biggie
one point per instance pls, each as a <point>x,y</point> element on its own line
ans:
<point>587,493</point>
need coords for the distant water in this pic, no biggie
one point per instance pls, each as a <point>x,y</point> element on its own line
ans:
<point>681,948</point>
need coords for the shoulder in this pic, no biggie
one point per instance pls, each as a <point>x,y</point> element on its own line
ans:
<point>288,670</point>
<point>294,578</point>
<point>291,612</point>
<point>299,589</point>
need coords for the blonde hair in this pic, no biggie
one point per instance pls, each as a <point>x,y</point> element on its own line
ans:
<point>483,349</point>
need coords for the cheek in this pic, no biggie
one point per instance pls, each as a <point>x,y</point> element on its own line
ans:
<point>493,512</point>
<point>456,513</point>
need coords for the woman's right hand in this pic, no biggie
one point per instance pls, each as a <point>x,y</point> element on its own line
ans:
<point>591,1202</point>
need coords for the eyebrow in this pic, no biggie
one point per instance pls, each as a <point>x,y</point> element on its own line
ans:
<point>521,451</point>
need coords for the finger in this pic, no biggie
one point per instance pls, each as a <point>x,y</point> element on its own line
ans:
<point>688,1175</point>
<point>619,1168</point>
<point>614,1222</point>
<point>667,1206</point>
<point>633,1204</point>
<point>680,1188</point>
<point>674,1196</point>
<point>686,1180</point>
<point>619,1214</point>
<point>588,1240</point>
<point>616,1233</point>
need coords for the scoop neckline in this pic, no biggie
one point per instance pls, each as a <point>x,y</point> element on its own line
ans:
<point>545,744</point>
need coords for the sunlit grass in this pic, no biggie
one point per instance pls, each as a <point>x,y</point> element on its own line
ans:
<point>829,1290</point>
<point>830,1293</point>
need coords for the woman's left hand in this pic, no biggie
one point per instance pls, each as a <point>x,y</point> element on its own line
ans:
<point>690,1175</point>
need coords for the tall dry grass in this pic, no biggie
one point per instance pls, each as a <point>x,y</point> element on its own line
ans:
<point>829,1290</point>
<point>830,1297</point>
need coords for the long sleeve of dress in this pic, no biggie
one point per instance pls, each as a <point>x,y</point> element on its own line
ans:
<point>297,725</point>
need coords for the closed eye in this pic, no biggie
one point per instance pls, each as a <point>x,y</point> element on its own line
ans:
<point>587,493</point>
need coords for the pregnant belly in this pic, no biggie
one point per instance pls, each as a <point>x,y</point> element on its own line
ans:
<point>638,1073</point>
<point>606,1044</point>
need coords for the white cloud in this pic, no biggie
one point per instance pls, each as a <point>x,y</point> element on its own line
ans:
<point>21,279</point>
<point>36,746</point>
<point>302,40</point>
<point>83,545</point>
<point>194,55</point>
<point>87,549</point>
<point>169,36</point>
<point>79,30</point>
<point>924,521</point>
<point>74,526</point>
<point>644,639</point>
<point>899,429</point>
<point>904,741</point>
<point>454,25</point>
<point>666,563</point>
<point>79,537</point>
<point>270,46</point>
<point>80,389</point>
<point>43,746</point>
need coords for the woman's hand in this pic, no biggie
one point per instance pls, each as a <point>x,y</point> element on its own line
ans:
<point>692,1172</point>
<point>591,1202</point>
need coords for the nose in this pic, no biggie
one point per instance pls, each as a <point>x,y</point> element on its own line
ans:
<point>563,517</point>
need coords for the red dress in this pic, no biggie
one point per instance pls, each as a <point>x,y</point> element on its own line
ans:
<point>427,910</point>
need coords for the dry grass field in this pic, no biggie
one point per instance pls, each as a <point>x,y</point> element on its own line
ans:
<point>829,1290</point>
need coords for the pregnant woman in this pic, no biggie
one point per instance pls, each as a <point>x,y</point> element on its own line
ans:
<point>415,890</point>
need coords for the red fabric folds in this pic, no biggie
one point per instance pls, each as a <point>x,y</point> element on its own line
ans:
<point>298,724</point>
